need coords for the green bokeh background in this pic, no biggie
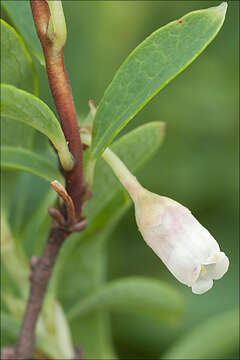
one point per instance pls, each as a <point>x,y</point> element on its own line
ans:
<point>197,164</point>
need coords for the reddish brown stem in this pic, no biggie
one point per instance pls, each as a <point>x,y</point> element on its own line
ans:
<point>39,278</point>
<point>62,95</point>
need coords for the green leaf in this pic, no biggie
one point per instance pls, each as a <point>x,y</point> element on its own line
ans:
<point>19,105</point>
<point>150,67</point>
<point>25,160</point>
<point>137,295</point>
<point>216,338</point>
<point>21,15</point>
<point>16,64</point>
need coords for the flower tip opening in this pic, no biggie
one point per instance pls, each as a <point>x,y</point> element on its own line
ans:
<point>212,271</point>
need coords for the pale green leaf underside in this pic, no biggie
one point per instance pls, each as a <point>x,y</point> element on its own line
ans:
<point>16,64</point>
<point>19,105</point>
<point>137,295</point>
<point>216,338</point>
<point>151,66</point>
<point>21,15</point>
<point>25,160</point>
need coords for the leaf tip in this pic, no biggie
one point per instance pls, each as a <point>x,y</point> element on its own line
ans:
<point>221,9</point>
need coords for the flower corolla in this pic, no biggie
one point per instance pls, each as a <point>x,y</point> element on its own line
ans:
<point>187,249</point>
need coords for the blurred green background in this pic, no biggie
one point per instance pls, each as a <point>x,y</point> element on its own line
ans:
<point>197,164</point>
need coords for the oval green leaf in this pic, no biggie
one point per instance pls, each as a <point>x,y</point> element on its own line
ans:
<point>216,338</point>
<point>150,67</point>
<point>25,160</point>
<point>20,14</point>
<point>137,295</point>
<point>19,105</point>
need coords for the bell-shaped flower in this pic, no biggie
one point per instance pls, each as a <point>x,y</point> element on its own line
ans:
<point>187,249</point>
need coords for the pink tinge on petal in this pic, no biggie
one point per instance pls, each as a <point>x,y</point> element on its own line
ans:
<point>201,286</point>
<point>195,275</point>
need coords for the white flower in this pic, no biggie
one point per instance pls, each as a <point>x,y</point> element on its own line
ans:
<point>187,249</point>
